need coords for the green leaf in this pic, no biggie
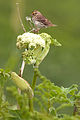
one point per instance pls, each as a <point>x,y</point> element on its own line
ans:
<point>55,42</point>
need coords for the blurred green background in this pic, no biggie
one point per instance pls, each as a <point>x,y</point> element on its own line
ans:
<point>62,64</point>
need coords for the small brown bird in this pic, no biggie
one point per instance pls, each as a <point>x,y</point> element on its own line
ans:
<point>40,21</point>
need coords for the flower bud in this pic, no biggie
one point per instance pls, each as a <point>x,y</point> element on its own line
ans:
<point>22,84</point>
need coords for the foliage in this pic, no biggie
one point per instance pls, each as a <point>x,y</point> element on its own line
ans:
<point>46,95</point>
<point>43,101</point>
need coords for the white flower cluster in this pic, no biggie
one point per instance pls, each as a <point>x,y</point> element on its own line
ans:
<point>36,46</point>
<point>30,39</point>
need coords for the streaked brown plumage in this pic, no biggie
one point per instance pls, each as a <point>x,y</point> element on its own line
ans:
<point>40,21</point>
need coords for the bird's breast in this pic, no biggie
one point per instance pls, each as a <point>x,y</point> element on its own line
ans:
<point>37,23</point>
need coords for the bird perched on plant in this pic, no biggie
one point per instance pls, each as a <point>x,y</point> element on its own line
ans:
<point>40,21</point>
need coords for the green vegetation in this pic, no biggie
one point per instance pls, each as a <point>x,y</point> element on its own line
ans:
<point>39,101</point>
<point>48,101</point>
<point>39,97</point>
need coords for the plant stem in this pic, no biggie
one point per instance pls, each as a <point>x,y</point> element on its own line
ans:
<point>17,5</point>
<point>33,87</point>
<point>34,78</point>
<point>75,110</point>
<point>22,68</point>
<point>20,74</point>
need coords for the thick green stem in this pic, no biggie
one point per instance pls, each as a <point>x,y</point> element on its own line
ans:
<point>31,105</point>
<point>34,78</point>
<point>33,87</point>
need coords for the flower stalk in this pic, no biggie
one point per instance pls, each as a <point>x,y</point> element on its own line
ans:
<point>33,87</point>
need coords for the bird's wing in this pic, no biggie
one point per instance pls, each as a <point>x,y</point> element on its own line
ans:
<point>43,20</point>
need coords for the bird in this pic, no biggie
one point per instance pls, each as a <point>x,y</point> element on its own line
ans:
<point>40,21</point>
